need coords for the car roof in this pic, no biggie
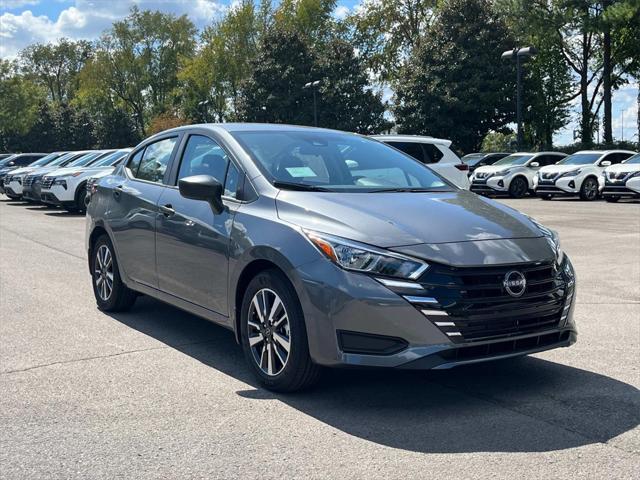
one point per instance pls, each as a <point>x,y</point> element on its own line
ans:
<point>602,152</point>
<point>413,138</point>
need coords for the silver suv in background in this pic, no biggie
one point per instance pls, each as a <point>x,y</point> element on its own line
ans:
<point>318,247</point>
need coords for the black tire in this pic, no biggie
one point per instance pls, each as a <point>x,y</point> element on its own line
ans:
<point>518,187</point>
<point>589,189</point>
<point>546,197</point>
<point>121,297</point>
<point>299,371</point>
<point>81,193</point>
<point>612,198</point>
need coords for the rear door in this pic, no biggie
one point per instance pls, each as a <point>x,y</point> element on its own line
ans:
<point>133,209</point>
<point>192,241</point>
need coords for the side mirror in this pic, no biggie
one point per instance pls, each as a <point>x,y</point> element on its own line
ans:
<point>203,187</point>
<point>605,163</point>
<point>534,164</point>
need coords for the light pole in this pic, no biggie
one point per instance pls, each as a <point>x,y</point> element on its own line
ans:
<point>313,86</point>
<point>204,104</point>
<point>519,55</point>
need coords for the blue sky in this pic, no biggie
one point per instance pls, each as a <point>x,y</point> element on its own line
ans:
<point>27,21</point>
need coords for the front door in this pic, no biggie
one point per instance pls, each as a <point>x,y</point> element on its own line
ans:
<point>192,242</point>
<point>133,210</point>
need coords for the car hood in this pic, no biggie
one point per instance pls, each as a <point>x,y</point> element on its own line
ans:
<point>19,171</point>
<point>401,219</point>
<point>621,167</point>
<point>68,170</point>
<point>564,168</point>
<point>496,168</point>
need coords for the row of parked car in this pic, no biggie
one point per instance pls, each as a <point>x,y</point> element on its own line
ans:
<point>58,178</point>
<point>587,174</point>
<point>62,178</point>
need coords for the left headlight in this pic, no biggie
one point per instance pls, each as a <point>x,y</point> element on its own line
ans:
<point>60,181</point>
<point>362,258</point>
<point>571,173</point>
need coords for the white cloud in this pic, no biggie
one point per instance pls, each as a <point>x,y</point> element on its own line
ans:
<point>87,19</point>
<point>341,12</point>
<point>13,4</point>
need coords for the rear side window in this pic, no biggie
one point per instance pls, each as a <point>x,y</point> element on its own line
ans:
<point>432,153</point>
<point>25,160</point>
<point>154,160</point>
<point>413,149</point>
<point>134,163</point>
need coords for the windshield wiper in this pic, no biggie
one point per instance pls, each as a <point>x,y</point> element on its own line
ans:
<point>409,189</point>
<point>304,187</point>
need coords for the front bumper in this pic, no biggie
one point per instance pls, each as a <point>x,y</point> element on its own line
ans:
<point>13,187</point>
<point>496,184</point>
<point>628,189</point>
<point>563,186</point>
<point>353,320</point>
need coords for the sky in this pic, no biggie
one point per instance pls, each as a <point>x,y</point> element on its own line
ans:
<point>23,22</point>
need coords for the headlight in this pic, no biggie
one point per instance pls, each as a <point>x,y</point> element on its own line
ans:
<point>506,172</point>
<point>571,173</point>
<point>636,174</point>
<point>552,237</point>
<point>366,259</point>
<point>60,181</point>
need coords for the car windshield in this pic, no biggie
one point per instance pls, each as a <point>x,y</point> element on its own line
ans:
<point>45,160</point>
<point>110,159</point>
<point>580,159</point>
<point>63,158</point>
<point>6,160</point>
<point>336,162</point>
<point>85,159</point>
<point>514,160</point>
<point>473,158</point>
<point>635,160</point>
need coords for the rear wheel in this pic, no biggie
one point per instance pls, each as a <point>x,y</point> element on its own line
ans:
<point>112,295</point>
<point>518,187</point>
<point>589,189</point>
<point>273,333</point>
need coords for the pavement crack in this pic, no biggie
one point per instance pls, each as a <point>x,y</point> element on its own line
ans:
<point>98,357</point>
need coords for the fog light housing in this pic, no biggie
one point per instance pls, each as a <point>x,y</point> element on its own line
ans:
<point>501,183</point>
<point>572,184</point>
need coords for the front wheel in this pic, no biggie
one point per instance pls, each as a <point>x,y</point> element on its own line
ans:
<point>518,187</point>
<point>546,197</point>
<point>589,189</point>
<point>273,333</point>
<point>112,295</point>
<point>612,198</point>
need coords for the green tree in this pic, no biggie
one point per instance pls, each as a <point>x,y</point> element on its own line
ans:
<point>56,66</point>
<point>273,92</point>
<point>19,107</point>
<point>345,100</point>
<point>388,32</point>
<point>455,85</point>
<point>499,142</point>
<point>138,61</point>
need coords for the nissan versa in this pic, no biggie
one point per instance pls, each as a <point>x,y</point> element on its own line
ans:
<point>323,248</point>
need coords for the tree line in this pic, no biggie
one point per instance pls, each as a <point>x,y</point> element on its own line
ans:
<point>439,58</point>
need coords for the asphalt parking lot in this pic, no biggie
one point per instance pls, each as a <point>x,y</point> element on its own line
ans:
<point>158,393</point>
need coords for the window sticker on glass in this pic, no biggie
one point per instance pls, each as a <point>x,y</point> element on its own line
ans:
<point>298,172</point>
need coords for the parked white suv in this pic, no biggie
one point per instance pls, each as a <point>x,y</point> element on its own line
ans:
<point>622,180</point>
<point>577,174</point>
<point>513,174</point>
<point>433,152</point>
<point>67,187</point>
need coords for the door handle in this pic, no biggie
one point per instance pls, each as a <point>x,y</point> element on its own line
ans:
<point>117,191</point>
<point>167,210</point>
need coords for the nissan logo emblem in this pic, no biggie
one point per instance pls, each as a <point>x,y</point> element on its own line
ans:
<point>514,283</point>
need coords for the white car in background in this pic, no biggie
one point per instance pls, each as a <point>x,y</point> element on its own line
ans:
<point>66,187</point>
<point>622,180</point>
<point>513,174</point>
<point>433,152</point>
<point>577,174</point>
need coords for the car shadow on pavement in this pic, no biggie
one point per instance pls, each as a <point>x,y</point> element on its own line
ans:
<point>518,405</point>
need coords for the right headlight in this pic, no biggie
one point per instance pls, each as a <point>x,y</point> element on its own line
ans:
<point>571,173</point>
<point>552,237</point>
<point>363,258</point>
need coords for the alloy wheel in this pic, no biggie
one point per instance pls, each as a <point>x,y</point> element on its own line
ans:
<point>103,272</point>
<point>269,332</point>
<point>590,189</point>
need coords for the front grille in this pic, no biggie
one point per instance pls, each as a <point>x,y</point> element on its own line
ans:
<point>28,180</point>
<point>549,189</point>
<point>619,176</point>
<point>473,303</point>
<point>548,175</point>
<point>47,182</point>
